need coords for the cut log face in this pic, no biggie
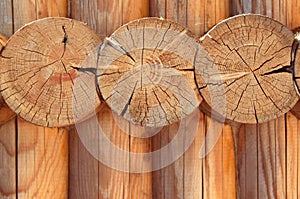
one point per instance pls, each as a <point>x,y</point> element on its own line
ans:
<point>244,62</point>
<point>146,73</point>
<point>38,75</point>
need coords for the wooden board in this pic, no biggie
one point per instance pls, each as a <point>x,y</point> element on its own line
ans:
<point>40,151</point>
<point>105,16</point>
<point>263,151</point>
<point>8,164</point>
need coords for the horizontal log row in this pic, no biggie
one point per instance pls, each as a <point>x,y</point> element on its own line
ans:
<point>55,70</point>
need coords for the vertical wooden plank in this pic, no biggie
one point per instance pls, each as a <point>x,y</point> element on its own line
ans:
<point>193,169</point>
<point>266,160</point>
<point>23,16</point>
<point>92,12</point>
<point>195,21</point>
<point>8,184</point>
<point>135,10</point>
<point>293,18</point>
<point>168,181</point>
<point>140,185</point>
<point>42,152</point>
<point>42,161</point>
<point>271,136</point>
<point>46,8</point>
<point>291,159</point>
<point>240,160</point>
<point>213,162</point>
<point>229,178</point>
<point>83,168</point>
<point>106,16</point>
<point>6,17</point>
<point>158,8</point>
<point>251,152</point>
<point>199,16</point>
<point>280,157</point>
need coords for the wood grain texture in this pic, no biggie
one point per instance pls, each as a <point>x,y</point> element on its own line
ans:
<point>6,19</point>
<point>292,156</point>
<point>228,159</point>
<point>43,87</point>
<point>273,134</point>
<point>105,16</point>
<point>8,184</point>
<point>246,60</point>
<point>8,130</point>
<point>42,153</point>
<point>145,72</point>
<point>204,174</point>
<point>213,162</point>
<point>42,162</point>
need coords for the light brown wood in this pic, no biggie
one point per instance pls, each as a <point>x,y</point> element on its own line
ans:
<point>213,172</point>
<point>246,56</point>
<point>5,113</point>
<point>193,166</point>
<point>42,161</point>
<point>53,8</point>
<point>6,21</point>
<point>228,159</point>
<point>83,167</point>
<point>267,160</point>
<point>8,184</point>
<point>280,157</point>
<point>291,156</point>
<point>43,85</point>
<point>273,133</point>
<point>145,72</point>
<point>105,17</point>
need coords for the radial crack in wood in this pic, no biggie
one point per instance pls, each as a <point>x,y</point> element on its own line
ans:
<point>243,69</point>
<point>146,72</point>
<point>37,78</point>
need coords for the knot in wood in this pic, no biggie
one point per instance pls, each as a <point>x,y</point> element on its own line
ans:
<point>145,72</point>
<point>249,57</point>
<point>38,75</point>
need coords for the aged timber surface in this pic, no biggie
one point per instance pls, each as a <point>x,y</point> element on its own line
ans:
<point>246,58</point>
<point>37,71</point>
<point>146,72</point>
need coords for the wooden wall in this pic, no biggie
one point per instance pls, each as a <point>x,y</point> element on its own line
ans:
<point>37,162</point>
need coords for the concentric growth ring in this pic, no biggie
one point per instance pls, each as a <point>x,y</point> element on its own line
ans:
<point>252,56</point>
<point>37,71</point>
<point>145,72</point>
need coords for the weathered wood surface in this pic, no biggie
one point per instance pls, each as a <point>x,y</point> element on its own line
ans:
<point>94,179</point>
<point>267,158</point>
<point>38,155</point>
<point>242,60</point>
<point>42,87</point>
<point>145,72</point>
<point>275,149</point>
